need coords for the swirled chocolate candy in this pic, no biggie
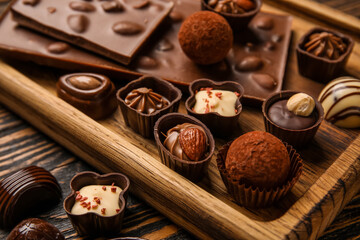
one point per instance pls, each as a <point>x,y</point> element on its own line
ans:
<point>35,228</point>
<point>97,26</point>
<point>93,94</point>
<point>341,102</point>
<point>187,141</point>
<point>28,191</point>
<point>144,100</point>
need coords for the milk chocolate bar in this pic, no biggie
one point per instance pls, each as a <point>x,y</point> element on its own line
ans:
<point>163,56</point>
<point>115,29</point>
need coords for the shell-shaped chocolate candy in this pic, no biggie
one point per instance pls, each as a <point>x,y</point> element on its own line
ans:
<point>28,191</point>
<point>35,228</point>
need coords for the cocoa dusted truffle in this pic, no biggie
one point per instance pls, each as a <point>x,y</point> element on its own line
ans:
<point>205,37</point>
<point>258,159</point>
<point>187,141</point>
<point>35,228</point>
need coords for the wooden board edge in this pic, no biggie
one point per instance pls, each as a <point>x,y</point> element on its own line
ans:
<point>321,12</point>
<point>328,195</point>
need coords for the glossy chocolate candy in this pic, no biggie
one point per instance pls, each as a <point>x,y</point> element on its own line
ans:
<point>28,191</point>
<point>93,94</point>
<point>35,228</point>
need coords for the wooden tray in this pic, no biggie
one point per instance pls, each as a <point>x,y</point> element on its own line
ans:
<point>327,184</point>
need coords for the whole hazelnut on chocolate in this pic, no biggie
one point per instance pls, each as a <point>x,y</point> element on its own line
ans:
<point>205,37</point>
<point>258,159</point>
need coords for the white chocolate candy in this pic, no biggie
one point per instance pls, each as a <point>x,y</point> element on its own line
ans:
<point>220,101</point>
<point>301,104</point>
<point>341,102</point>
<point>100,199</point>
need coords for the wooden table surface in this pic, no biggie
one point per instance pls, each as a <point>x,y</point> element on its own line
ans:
<point>21,145</point>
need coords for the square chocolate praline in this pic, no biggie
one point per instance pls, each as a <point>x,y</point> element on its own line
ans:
<point>143,123</point>
<point>321,69</point>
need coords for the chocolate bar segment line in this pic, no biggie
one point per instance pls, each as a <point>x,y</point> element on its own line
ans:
<point>118,35</point>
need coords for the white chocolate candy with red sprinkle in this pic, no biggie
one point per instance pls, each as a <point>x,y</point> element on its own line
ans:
<point>100,199</point>
<point>341,102</point>
<point>220,101</point>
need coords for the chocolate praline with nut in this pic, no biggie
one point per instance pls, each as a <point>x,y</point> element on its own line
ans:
<point>185,144</point>
<point>93,94</point>
<point>281,120</point>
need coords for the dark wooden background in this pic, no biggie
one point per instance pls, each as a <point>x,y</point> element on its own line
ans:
<point>21,145</point>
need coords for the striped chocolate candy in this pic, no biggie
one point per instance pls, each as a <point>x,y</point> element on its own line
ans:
<point>341,102</point>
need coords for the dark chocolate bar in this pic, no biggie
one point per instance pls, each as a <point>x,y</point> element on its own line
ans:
<point>115,29</point>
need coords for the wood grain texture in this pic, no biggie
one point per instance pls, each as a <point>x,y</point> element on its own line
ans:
<point>21,146</point>
<point>331,15</point>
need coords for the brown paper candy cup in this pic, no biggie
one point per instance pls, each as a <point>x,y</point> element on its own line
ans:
<point>320,68</point>
<point>253,197</point>
<point>193,170</point>
<point>143,123</point>
<point>296,138</point>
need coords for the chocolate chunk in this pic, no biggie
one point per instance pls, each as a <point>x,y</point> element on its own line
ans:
<point>82,6</point>
<point>264,80</point>
<point>58,47</point>
<point>265,23</point>
<point>30,2</point>
<point>34,228</point>
<point>84,82</point>
<point>147,62</point>
<point>78,22</point>
<point>164,45</point>
<point>249,63</point>
<point>176,16</point>
<point>51,9</point>
<point>127,28</point>
<point>269,46</point>
<point>112,6</point>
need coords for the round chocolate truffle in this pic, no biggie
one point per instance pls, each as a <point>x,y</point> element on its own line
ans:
<point>258,159</point>
<point>34,228</point>
<point>205,37</point>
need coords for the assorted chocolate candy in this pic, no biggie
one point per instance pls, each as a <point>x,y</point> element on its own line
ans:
<point>219,44</point>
